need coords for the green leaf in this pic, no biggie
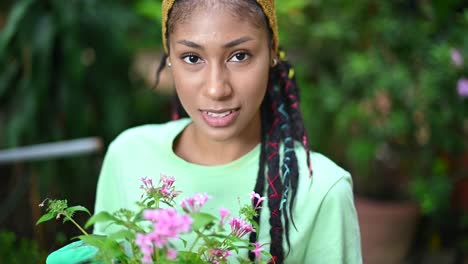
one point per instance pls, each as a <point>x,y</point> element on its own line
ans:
<point>150,203</point>
<point>201,220</point>
<point>18,12</point>
<point>101,217</point>
<point>108,247</point>
<point>184,242</point>
<point>94,240</point>
<point>123,234</point>
<point>45,218</point>
<point>189,257</point>
<point>7,76</point>
<point>78,208</point>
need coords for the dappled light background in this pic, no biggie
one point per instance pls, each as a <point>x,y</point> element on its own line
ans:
<point>384,92</point>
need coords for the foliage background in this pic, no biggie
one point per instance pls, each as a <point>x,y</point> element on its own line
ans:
<point>379,95</point>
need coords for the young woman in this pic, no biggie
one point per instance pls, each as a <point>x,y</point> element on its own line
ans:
<point>244,132</point>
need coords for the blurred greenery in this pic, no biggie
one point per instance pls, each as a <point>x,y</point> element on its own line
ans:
<point>378,79</point>
<point>19,251</point>
<point>381,91</point>
<point>67,71</point>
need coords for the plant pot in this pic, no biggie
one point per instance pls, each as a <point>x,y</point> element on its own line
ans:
<point>460,195</point>
<point>387,229</point>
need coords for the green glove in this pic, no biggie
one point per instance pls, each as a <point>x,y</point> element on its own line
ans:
<point>73,253</point>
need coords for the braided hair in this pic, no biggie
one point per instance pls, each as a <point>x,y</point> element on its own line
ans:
<point>281,125</point>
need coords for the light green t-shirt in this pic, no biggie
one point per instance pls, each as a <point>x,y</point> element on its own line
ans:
<point>324,212</point>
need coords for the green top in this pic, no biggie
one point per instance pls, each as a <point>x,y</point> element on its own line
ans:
<point>324,212</point>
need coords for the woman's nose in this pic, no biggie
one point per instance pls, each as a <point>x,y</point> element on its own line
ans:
<point>217,86</point>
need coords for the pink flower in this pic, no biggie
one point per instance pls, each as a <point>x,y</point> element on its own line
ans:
<point>147,184</point>
<point>462,87</point>
<point>166,180</point>
<point>240,227</point>
<point>146,247</point>
<point>457,58</point>
<point>194,203</point>
<point>167,224</point>
<point>147,259</point>
<point>253,196</point>
<point>171,254</point>
<point>167,188</point>
<point>218,255</point>
<point>224,214</point>
<point>257,251</point>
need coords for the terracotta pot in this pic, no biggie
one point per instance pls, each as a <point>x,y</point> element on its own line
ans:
<point>460,195</point>
<point>387,229</point>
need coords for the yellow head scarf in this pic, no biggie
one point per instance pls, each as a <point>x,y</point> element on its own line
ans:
<point>268,7</point>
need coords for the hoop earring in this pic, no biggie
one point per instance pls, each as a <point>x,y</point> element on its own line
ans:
<point>274,62</point>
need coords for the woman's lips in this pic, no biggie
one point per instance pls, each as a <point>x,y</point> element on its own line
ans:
<point>220,118</point>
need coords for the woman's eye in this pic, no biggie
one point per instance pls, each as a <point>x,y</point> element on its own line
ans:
<point>192,59</point>
<point>238,57</point>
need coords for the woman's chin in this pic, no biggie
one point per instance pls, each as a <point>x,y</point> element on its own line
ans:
<point>218,134</point>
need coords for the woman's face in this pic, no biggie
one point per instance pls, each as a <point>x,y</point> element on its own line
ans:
<point>220,65</point>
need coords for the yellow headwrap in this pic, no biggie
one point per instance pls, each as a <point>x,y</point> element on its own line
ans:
<point>268,7</point>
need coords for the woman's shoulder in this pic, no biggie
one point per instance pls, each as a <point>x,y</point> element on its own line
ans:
<point>321,165</point>
<point>324,167</point>
<point>148,134</point>
<point>327,176</point>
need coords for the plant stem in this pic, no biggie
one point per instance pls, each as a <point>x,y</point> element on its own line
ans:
<point>224,241</point>
<point>194,242</point>
<point>76,224</point>
<point>157,255</point>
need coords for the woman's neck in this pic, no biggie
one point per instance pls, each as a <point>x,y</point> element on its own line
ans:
<point>196,148</point>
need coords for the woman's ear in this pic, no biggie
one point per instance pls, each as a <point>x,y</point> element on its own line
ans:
<point>274,59</point>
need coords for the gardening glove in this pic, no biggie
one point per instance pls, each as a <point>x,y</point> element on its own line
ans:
<point>73,253</point>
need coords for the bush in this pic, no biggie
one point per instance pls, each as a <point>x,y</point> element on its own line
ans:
<point>381,88</point>
<point>384,94</point>
<point>19,251</point>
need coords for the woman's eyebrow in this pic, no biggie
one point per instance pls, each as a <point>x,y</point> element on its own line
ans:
<point>190,44</point>
<point>230,44</point>
<point>237,42</point>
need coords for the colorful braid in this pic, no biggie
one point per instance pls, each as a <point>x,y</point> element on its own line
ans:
<point>283,118</point>
<point>273,176</point>
<point>260,184</point>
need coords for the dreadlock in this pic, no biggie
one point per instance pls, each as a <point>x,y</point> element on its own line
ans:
<point>280,117</point>
<point>281,126</point>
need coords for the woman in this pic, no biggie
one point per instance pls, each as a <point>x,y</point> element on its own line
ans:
<point>244,132</point>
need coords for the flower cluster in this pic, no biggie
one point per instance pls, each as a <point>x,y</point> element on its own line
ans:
<point>218,255</point>
<point>147,185</point>
<point>167,224</point>
<point>151,233</point>
<point>194,203</point>
<point>167,189</point>
<point>240,227</point>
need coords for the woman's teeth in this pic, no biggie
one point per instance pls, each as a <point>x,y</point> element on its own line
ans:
<point>223,114</point>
